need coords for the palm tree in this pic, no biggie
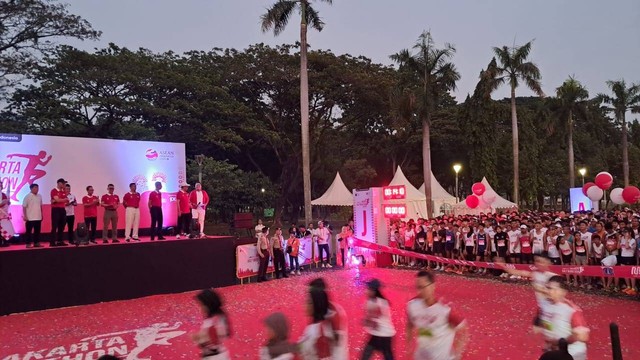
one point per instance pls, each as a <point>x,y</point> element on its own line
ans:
<point>277,17</point>
<point>514,68</point>
<point>571,97</point>
<point>624,99</point>
<point>431,74</point>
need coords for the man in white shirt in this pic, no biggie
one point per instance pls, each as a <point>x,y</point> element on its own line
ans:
<point>6,227</point>
<point>199,200</point>
<point>70,211</point>
<point>258,229</point>
<point>324,236</point>
<point>32,215</point>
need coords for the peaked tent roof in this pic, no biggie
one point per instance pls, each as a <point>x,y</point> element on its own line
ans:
<point>336,195</point>
<point>437,191</point>
<point>413,194</point>
<point>500,202</point>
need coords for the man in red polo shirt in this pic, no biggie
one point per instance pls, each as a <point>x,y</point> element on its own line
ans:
<point>155,207</point>
<point>184,211</point>
<point>58,213</point>
<point>131,202</point>
<point>90,203</point>
<point>110,203</point>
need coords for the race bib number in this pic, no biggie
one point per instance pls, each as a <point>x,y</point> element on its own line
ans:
<point>501,243</point>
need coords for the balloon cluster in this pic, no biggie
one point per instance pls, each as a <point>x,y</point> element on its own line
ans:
<point>603,181</point>
<point>481,197</point>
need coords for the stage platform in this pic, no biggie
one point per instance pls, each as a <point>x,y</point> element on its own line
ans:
<point>45,278</point>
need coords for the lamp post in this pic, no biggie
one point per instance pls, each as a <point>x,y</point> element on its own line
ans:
<point>583,172</point>
<point>200,160</point>
<point>457,168</point>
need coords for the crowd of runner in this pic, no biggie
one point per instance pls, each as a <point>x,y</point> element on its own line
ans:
<point>586,238</point>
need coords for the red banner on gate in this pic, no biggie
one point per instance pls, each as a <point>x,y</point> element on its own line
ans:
<point>582,270</point>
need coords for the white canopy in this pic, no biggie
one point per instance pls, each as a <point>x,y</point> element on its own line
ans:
<point>413,194</point>
<point>336,195</point>
<point>437,191</point>
<point>443,202</point>
<point>500,203</point>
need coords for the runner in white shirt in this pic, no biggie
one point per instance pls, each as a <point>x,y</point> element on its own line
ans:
<point>584,234</point>
<point>514,245</point>
<point>434,332</point>
<point>378,323</point>
<point>564,320</point>
<point>318,339</point>
<point>539,278</point>
<point>538,235</point>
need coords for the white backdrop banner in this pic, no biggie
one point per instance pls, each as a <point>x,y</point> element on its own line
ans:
<point>29,159</point>
<point>248,261</point>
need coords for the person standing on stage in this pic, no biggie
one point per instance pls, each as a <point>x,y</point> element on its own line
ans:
<point>90,203</point>
<point>324,236</point>
<point>6,227</point>
<point>131,202</point>
<point>199,200</point>
<point>70,210</point>
<point>258,229</point>
<point>155,207</point>
<point>110,203</point>
<point>264,251</point>
<point>184,211</point>
<point>32,215</point>
<point>58,214</point>
<point>440,333</point>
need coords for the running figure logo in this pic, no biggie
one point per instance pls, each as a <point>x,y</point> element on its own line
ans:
<point>156,334</point>
<point>31,172</point>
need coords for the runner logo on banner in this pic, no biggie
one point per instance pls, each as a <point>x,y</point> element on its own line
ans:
<point>248,261</point>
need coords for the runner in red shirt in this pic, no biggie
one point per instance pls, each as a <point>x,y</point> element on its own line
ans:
<point>184,211</point>
<point>90,203</point>
<point>526,245</point>
<point>110,203</point>
<point>131,202</point>
<point>58,213</point>
<point>155,207</point>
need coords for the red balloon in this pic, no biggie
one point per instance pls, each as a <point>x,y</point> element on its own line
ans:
<point>478,188</point>
<point>604,180</point>
<point>472,201</point>
<point>586,187</point>
<point>631,194</point>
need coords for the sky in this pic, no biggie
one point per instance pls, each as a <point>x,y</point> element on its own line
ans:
<point>592,40</point>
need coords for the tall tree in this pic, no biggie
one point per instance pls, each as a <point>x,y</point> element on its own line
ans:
<point>431,76</point>
<point>514,68</point>
<point>27,28</point>
<point>571,97</point>
<point>624,99</point>
<point>277,18</point>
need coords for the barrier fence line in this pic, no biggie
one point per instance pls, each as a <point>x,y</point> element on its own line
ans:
<point>625,272</point>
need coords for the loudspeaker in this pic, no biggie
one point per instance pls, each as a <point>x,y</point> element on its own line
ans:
<point>82,234</point>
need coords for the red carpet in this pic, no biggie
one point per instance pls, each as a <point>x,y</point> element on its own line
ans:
<point>499,316</point>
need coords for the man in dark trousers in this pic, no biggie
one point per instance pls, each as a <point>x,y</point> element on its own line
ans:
<point>58,214</point>
<point>155,206</point>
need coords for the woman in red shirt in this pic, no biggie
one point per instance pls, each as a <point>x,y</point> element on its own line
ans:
<point>526,249</point>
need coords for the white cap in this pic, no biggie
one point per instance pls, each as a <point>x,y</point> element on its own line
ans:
<point>184,184</point>
<point>523,226</point>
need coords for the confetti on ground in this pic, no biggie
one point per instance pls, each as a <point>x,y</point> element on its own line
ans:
<point>499,316</point>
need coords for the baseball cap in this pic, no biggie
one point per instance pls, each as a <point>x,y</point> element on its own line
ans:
<point>523,226</point>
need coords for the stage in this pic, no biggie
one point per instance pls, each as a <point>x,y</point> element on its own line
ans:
<point>46,278</point>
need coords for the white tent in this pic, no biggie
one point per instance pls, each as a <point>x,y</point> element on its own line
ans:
<point>443,202</point>
<point>336,195</point>
<point>415,200</point>
<point>500,203</point>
